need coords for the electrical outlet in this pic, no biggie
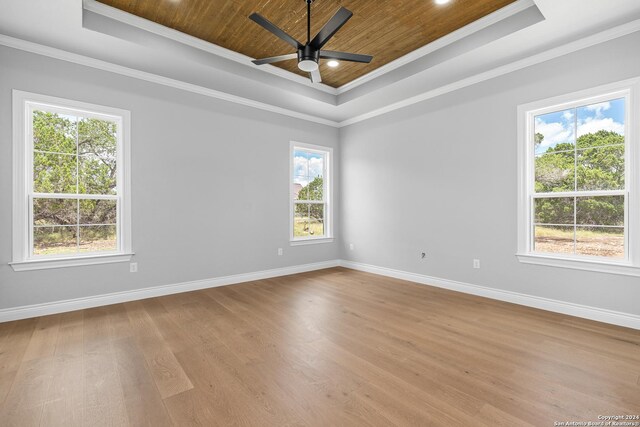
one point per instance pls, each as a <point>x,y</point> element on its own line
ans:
<point>279,251</point>
<point>476,263</point>
<point>351,246</point>
<point>133,267</point>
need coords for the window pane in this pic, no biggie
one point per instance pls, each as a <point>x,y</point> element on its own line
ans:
<point>97,142</point>
<point>316,165</point>
<point>554,172</point>
<point>606,210</point>
<point>98,238</point>
<point>554,239</point>
<point>97,174</point>
<point>555,131</point>
<point>316,220</point>
<point>54,133</point>
<point>600,241</point>
<point>99,137</point>
<point>312,191</point>
<point>300,182</point>
<point>601,168</point>
<point>300,163</point>
<point>55,211</point>
<point>54,173</point>
<point>98,212</point>
<point>301,220</point>
<point>554,210</point>
<point>601,124</point>
<point>57,240</point>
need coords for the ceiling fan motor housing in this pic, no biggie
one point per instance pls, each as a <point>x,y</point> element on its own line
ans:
<point>307,55</point>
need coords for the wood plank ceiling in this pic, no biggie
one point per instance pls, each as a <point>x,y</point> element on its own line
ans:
<point>386,29</point>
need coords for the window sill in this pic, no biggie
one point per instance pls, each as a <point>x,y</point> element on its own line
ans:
<point>622,268</point>
<point>302,242</point>
<point>42,264</point>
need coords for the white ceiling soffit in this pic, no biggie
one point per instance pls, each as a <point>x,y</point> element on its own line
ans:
<point>117,23</point>
<point>501,23</point>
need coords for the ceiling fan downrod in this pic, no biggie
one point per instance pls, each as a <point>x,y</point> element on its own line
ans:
<point>309,20</point>
<point>308,57</point>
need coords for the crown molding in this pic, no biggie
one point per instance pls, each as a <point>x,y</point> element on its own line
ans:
<point>446,40</point>
<point>568,48</point>
<point>180,37</point>
<point>556,52</point>
<point>75,58</point>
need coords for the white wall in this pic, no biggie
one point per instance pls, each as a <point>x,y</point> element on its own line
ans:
<point>441,176</point>
<point>210,184</point>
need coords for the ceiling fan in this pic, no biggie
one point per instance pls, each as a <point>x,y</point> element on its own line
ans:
<point>310,53</point>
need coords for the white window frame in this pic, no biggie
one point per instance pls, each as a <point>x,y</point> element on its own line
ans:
<point>327,191</point>
<point>23,105</point>
<point>628,89</point>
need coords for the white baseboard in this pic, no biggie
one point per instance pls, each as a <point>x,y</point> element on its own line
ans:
<point>577,310</point>
<point>593,313</point>
<point>36,310</point>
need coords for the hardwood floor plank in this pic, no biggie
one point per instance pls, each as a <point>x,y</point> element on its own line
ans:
<point>65,395</point>
<point>167,373</point>
<point>119,325</point>
<point>70,338</point>
<point>103,399</point>
<point>45,336</point>
<point>14,346</point>
<point>64,403</point>
<point>142,398</point>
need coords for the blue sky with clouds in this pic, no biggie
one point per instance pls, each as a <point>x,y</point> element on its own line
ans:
<point>560,126</point>
<point>306,166</point>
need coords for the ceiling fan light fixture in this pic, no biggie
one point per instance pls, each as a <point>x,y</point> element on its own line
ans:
<point>308,65</point>
<point>333,63</point>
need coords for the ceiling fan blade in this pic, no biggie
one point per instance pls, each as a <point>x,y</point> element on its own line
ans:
<point>315,76</point>
<point>271,27</point>
<point>335,23</point>
<point>344,56</point>
<point>273,59</point>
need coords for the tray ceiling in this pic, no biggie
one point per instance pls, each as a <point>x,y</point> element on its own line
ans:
<point>386,29</point>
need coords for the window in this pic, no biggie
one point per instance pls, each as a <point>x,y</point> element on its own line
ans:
<point>71,189</point>
<point>310,194</point>
<point>579,180</point>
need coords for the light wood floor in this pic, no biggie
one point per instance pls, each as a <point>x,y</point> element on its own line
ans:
<point>333,347</point>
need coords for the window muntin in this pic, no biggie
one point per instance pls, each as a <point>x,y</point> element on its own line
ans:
<point>310,207</point>
<point>578,197</point>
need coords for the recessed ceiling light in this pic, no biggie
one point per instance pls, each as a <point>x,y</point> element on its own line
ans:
<point>333,64</point>
<point>442,1</point>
